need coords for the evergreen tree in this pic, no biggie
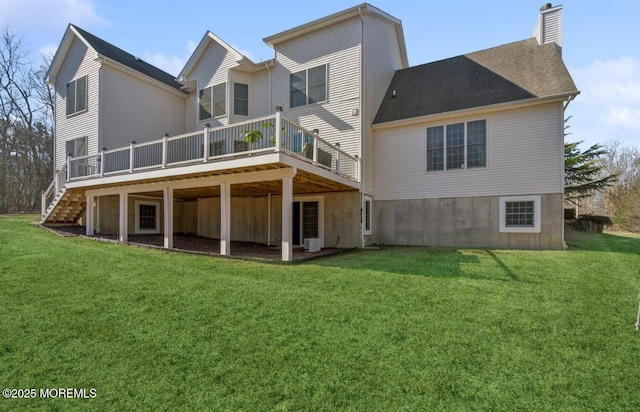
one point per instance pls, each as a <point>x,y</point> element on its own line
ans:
<point>583,173</point>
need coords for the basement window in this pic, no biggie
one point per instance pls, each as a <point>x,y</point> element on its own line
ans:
<point>147,217</point>
<point>520,214</point>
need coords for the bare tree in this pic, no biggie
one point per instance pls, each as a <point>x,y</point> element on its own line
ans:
<point>26,120</point>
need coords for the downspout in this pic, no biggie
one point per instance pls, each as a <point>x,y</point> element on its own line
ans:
<point>362,126</point>
<point>564,109</point>
<point>266,64</point>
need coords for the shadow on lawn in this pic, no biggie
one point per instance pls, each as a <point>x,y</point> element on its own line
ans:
<point>425,261</point>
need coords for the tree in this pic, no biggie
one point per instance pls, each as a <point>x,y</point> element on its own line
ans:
<point>26,127</point>
<point>583,172</point>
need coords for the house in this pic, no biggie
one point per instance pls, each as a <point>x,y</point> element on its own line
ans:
<point>335,140</point>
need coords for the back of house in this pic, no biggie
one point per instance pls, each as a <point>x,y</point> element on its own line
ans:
<point>334,141</point>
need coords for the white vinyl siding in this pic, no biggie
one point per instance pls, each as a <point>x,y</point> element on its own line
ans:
<point>132,109</point>
<point>213,69</point>
<point>524,156</point>
<point>337,47</point>
<point>381,60</point>
<point>78,63</point>
<point>260,95</point>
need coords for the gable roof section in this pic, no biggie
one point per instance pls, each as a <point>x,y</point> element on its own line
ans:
<point>350,13</point>
<point>503,74</point>
<point>111,52</point>
<point>207,39</point>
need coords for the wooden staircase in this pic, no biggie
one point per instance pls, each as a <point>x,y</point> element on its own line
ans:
<point>61,206</point>
<point>66,208</point>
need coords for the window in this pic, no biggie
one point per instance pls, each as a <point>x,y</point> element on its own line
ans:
<point>213,101</point>
<point>77,147</point>
<point>520,214</point>
<point>77,96</point>
<point>147,216</point>
<point>457,146</point>
<point>241,99</point>
<point>367,215</point>
<point>308,86</point>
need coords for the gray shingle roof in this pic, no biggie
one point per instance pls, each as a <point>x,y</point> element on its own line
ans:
<point>114,53</point>
<point>502,74</point>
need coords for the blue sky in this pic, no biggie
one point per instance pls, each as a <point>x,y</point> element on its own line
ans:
<point>600,39</point>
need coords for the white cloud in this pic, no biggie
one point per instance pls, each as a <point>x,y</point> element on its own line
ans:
<point>609,104</point>
<point>623,117</point>
<point>170,64</point>
<point>47,18</point>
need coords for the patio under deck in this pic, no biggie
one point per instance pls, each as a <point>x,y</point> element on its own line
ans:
<point>286,160</point>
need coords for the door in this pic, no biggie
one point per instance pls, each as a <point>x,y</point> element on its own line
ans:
<point>306,221</point>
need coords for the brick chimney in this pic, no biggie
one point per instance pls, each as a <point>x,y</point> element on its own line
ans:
<point>549,25</point>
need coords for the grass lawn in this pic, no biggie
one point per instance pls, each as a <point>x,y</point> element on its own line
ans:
<point>391,329</point>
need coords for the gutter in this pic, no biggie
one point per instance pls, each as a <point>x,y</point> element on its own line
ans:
<point>480,109</point>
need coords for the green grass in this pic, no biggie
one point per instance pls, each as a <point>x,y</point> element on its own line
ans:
<point>391,329</point>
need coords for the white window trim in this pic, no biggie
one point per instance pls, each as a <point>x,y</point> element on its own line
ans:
<point>369,199</point>
<point>458,169</point>
<point>320,200</point>
<point>326,86</point>
<point>233,104</point>
<point>86,101</point>
<point>226,102</point>
<point>537,219</point>
<point>155,203</point>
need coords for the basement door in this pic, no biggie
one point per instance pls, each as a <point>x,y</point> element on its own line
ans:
<point>306,221</point>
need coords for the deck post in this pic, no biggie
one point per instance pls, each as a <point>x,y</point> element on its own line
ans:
<point>168,218</point>
<point>206,145</point>
<point>278,128</point>
<point>88,215</point>
<point>68,168</point>
<point>164,151</point>
<point>131,158</point>
<point>123,218</point>
<point>287,223</point>
<point>102,161</point>
<point>316,132</point>
<point>225,219</point>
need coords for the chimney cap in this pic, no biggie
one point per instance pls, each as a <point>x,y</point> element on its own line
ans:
<point>546,6</point>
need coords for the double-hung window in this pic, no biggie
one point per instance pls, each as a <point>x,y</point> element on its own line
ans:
<point>213,101</point>
<point>457,146</point>
<point>241,99</point>
<point>308,86</point>
<point>77,96</point>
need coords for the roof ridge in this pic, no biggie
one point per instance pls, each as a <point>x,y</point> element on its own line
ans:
<point>119,55</point>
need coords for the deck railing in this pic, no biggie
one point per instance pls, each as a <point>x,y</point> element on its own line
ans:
<point>48,195</point>
<point>266,134</point>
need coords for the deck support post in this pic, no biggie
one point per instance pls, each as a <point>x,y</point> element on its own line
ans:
<point>287,222</point>
<point>225,219</point>
<point>168,217</point>
<point>88,216</point>
<point>123,236</point>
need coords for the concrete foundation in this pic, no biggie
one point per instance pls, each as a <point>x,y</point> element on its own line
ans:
<point>463,222</point>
